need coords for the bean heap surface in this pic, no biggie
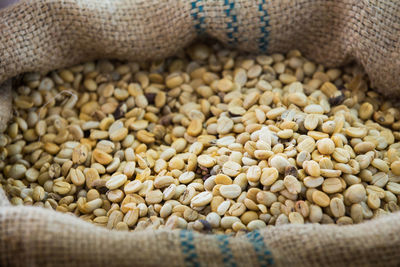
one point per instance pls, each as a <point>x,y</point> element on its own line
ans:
<point>210,140</point>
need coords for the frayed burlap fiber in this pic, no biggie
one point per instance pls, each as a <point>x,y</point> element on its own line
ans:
<point>41,35</point>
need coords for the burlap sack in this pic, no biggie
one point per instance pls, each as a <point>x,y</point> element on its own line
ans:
<point>44,35</point>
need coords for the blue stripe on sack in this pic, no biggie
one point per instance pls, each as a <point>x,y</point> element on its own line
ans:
<point>227,255</point>
<point>188,248</point>
<point>232,27</point>
<point>197,15</point>
<point>263,254</point>
<point>263,41</point>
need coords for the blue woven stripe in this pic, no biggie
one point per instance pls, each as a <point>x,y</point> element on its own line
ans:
<point>188,248</point>
<point>232,28</point>
<point>263,254</point>
<point>227,256</point>
<point>197,15</point>
<point>263,42</point>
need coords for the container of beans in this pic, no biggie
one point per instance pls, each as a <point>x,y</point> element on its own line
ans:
<point>197,133</point>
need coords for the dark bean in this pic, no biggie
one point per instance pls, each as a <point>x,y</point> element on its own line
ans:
<point>150,97</point>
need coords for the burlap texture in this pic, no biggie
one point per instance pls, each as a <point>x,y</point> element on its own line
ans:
<point>44,35</point>
<point>5,104</point>
<point>39,237</point>
<point>48,34</point>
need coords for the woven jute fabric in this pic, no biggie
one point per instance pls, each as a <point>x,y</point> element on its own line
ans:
<point>31,236</point>
<point>41,35</point>
<point>5,104</point>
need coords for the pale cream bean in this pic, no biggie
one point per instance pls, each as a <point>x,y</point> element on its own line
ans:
<point>168,154</point>
<point>380,165</point>
<point>279,163</point>
<point>223,179</point>
<point>313,182</point>
<point>154,196</point>
<point>61,187</point>
<point>214,219</point>
<point>129,169</point>
<point>206,161</point>
<point>315,213</point>
<point>38,193</point>
<point>231,168</point>
<point>379,179</point>
<point>314,109</point>
<point>254,173</point>
<point>115,217</point>
<point>395,167</point>
<point>269,176</point>
<point>332,185</point>
<point>170,192</point>
<point>373,201</point>
<point>312,168</point>
<point>320,198</point>
<point>223,207</point>
<point>163,181</point>
<point>237,226</point>
<point>228,221</point>
<point>17,171</point>
<point>230,191</point>
<point>201,199</point>
<point>355,193</point>
<point>307,145</point>
<point>295,218</point>
<point>166,210</point>
<point>90,206</point>
<point>116,181</point>
<point>224,125</point>
<point>393,187</point>
<point>292,184</point>
<point>341,155</point>
<point>186,177</point>
<point>256,225</point>
<point>133,187</point>
<point>326,146</point>
<point>337,207</point>
<point>131,217</point>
